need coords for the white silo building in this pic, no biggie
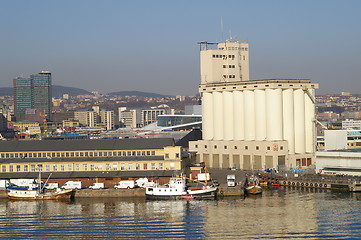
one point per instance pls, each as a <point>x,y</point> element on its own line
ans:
<point>252,124</point>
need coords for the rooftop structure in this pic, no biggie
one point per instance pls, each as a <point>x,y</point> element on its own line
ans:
<point>227,63</point>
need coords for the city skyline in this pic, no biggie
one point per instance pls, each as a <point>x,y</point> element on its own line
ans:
<point>152,47</point>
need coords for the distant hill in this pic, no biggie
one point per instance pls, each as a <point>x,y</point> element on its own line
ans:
<point>58,91</point>
<point>138,94</point>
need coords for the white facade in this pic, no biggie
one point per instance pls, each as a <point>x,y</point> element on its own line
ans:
<point>228,63</point>
<point>342,153</point>
<point>272,110</point>
<point>335,139</point>
<point>86,118</point>
<point>96,109</point>
<point>128,118</point>
<point>150,115</point>
<point>339,162</point>
<point>107,119</point>
<point>120,110</point>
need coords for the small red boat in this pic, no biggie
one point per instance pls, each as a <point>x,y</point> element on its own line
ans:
<point>275,185</point>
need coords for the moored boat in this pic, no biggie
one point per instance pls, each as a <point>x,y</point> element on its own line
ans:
<point>30,193</point>
<point>36,191</point>
<point>177,189</point>
<point>275,185</point>
<point>252,186</point>
<point>264,184</point>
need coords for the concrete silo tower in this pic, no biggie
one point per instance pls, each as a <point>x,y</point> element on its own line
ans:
<point>252,124</point>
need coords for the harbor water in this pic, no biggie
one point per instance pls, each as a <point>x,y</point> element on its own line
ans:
<point>279,213</point>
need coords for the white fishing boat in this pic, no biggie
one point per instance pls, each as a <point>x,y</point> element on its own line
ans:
<point>30,193</point>
<point>36,191</point>
<point>177,189</point>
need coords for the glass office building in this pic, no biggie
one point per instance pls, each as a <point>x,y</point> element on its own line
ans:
<point>34,93</point>
<point>179,121</point>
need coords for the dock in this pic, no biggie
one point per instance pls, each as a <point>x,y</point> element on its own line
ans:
<point>309,181</point>
<point>316,181</point>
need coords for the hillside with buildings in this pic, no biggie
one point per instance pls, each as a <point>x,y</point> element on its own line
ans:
<point>56,89</point>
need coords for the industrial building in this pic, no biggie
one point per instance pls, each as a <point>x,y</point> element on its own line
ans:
<point>341,154</point>
<point>252,124</point>
<point>111,159</point>
<point>339,162</point>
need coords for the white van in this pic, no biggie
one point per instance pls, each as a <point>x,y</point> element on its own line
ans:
<point>72,185</point>
<point>125,184</point>
<point>231,180</point>
<point>52,186</point>
<point>144,183</point>
<point>141,182</point>
<point>3,184</point>
<point>97,186</point>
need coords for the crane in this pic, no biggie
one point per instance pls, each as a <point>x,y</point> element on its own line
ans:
<point>45,125</point>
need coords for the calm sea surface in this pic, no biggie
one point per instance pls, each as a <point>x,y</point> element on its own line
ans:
<point>283,213</point>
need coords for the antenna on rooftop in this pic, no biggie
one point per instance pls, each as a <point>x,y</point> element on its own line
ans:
<point>221,29</point>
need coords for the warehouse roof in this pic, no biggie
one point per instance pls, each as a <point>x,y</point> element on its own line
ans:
<point>85,144</point>
<point>80,159</point>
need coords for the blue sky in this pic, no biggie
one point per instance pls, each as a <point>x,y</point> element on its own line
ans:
<point>151,46</point>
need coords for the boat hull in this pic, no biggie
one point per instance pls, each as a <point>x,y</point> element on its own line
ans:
<point>254,190</point>
<point>63,194</point>
<point>209,194</point>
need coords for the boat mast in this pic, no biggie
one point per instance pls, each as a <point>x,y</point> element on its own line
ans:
<point>39,182</point>
<point>47,180</point>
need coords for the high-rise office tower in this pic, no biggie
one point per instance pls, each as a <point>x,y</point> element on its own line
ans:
<point>34,93</point>
<point>252,124</point>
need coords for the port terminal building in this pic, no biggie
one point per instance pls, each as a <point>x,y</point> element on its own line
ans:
<point>341,154</point>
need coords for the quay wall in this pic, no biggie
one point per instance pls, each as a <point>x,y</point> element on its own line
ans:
<point>99,193</point>
<point>230,191</point>
<point>136,192</point>
<point>3,193</point>
<point>316,181</point>
<point>120,193</point>
<point>140,192</point>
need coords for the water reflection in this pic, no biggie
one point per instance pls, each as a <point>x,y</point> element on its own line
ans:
<point>277,213</point>
<point>270,215</point>
<point>88,218</point>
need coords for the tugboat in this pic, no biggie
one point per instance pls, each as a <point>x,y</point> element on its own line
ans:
<point>177,189</point>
